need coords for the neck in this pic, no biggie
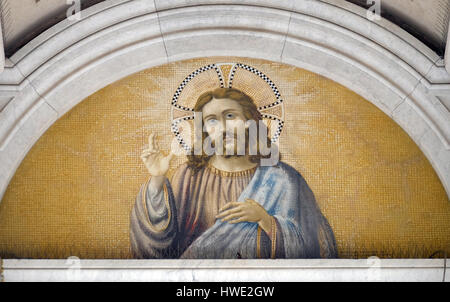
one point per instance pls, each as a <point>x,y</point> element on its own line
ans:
<point>233,163</point>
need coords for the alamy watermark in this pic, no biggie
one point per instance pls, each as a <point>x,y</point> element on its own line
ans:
<point>74,11</point>
<point>374,10</point>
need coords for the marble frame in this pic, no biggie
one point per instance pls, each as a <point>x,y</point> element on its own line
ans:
<point>334,38</point>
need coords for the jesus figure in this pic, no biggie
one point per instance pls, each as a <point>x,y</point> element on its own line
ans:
<point>224,206</point>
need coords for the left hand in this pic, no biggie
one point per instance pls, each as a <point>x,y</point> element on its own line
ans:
<point>249,211</point>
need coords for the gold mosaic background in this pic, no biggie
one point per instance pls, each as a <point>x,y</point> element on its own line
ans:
<point>73,192</point>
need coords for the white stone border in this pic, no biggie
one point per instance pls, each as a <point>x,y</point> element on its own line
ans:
<point>116,38</point>
<point>392,270</point>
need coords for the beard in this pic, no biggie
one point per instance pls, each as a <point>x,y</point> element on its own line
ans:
<point>236,150</point>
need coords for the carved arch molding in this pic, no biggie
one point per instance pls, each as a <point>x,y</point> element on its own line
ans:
<point>116,38</point>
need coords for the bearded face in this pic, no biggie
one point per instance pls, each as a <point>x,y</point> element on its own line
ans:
<point>231,125</point>
<point>225,125</point>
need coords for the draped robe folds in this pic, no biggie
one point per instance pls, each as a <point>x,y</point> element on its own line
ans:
<point>178,222</point>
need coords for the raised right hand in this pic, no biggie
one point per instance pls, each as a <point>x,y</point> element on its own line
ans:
<point>154,160</point>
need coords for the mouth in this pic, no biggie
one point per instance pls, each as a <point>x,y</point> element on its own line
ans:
<point>229,137</point>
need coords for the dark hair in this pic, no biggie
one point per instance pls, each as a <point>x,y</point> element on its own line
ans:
<point>250,111</point>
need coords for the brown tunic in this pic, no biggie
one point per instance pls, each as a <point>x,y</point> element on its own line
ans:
<point>211,189</point>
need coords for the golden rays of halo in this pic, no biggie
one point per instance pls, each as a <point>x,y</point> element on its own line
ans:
<point>243,77</point>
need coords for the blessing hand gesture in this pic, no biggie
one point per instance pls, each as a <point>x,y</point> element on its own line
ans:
<point>154,160</point>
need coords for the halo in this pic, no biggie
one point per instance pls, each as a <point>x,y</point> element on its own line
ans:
<point>240,76</point>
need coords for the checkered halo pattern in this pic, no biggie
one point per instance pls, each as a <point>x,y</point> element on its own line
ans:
<point>243,77</point>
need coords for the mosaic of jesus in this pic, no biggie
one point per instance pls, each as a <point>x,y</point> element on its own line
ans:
<point>234,197</point>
